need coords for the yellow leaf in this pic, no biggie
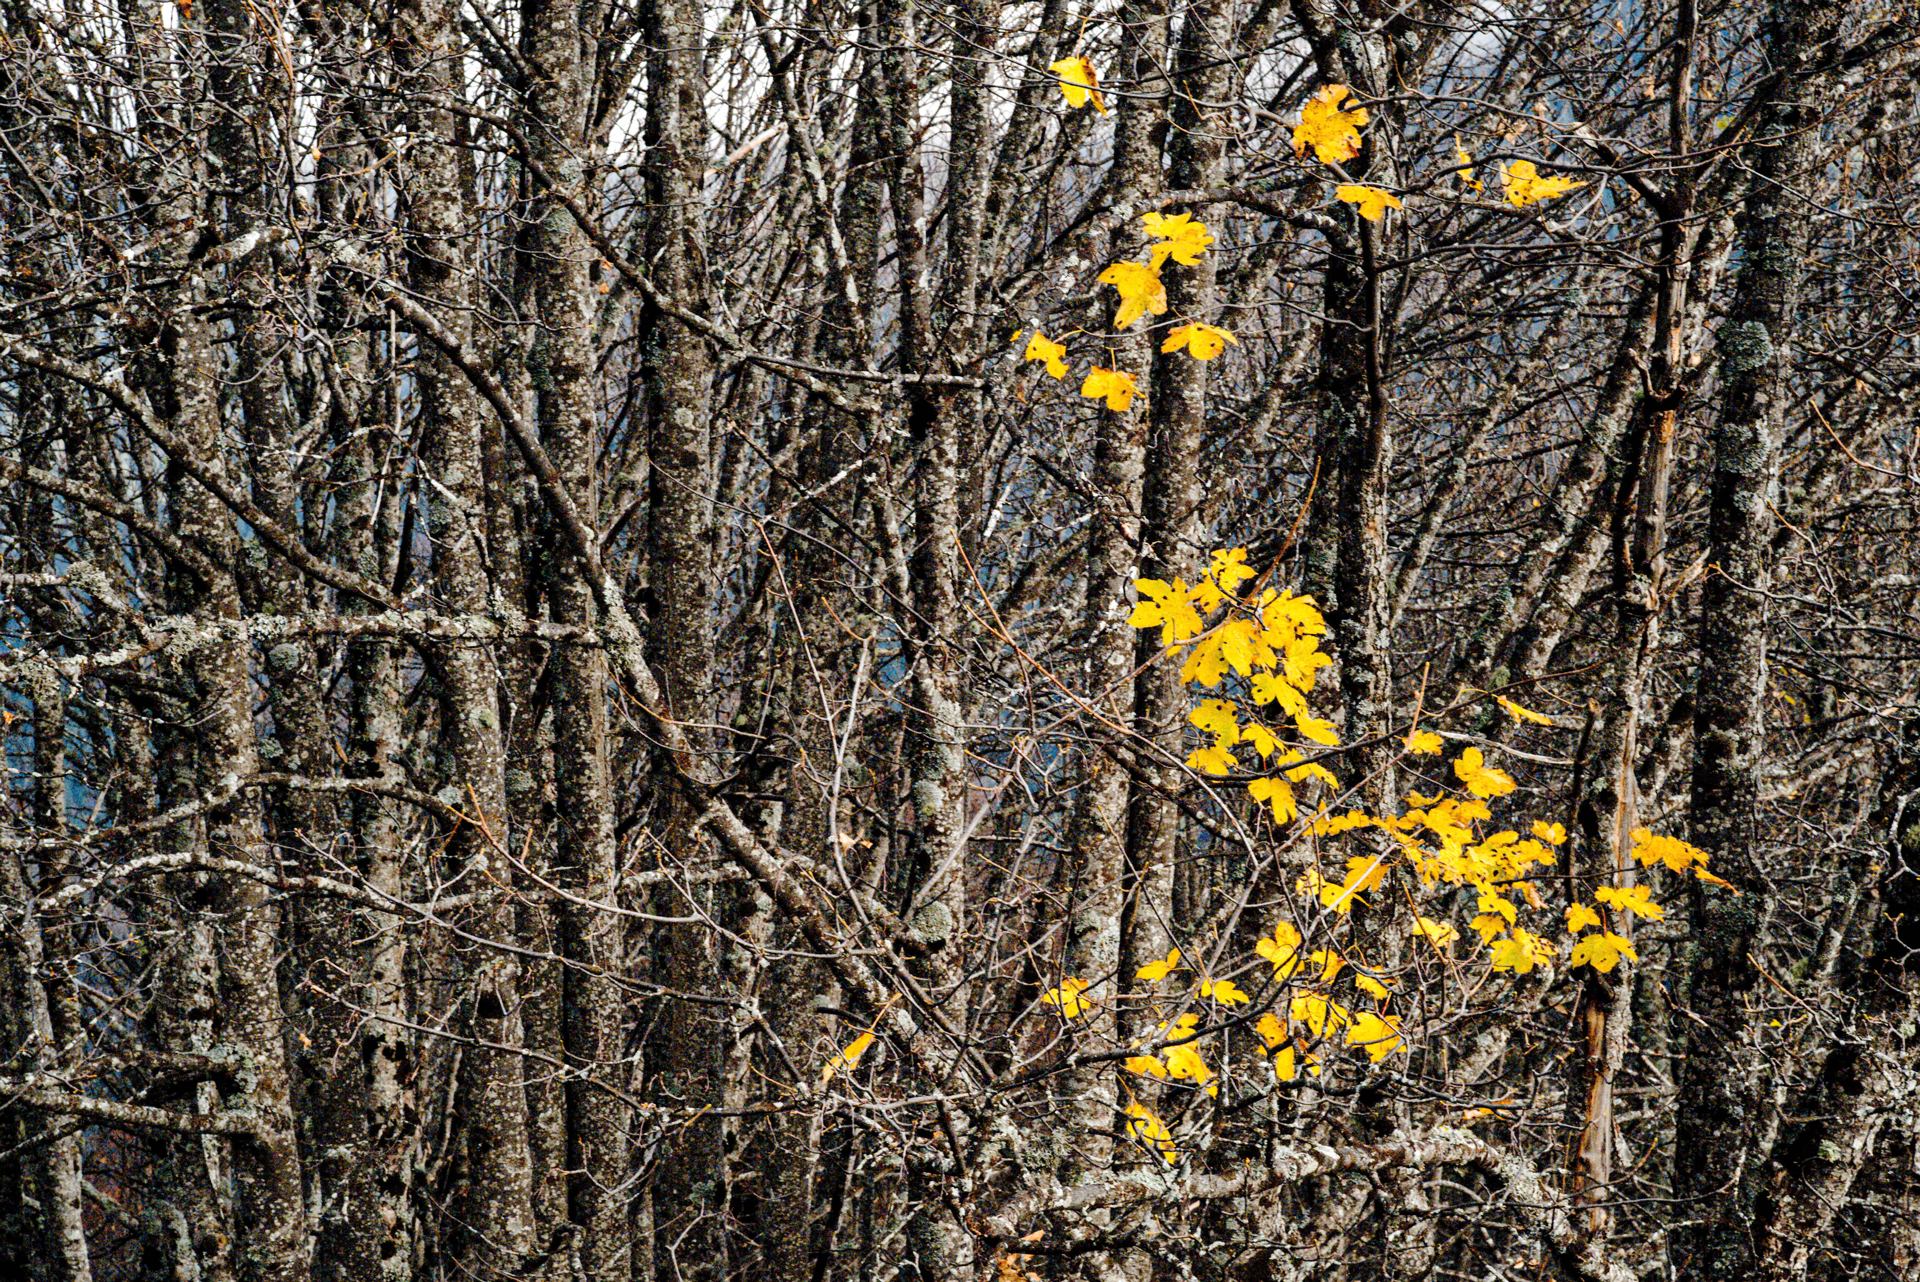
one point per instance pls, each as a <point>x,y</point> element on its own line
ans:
<point>1579,917</point>
<point>1178,237</point>
<point>1260,737</point>
<point>1079,85</point>
<point>1671,851</point>
<point>1370,986</point>
<point>847,1058</point>
<point>1465,172</point>
<point>1052,354</point>
<point>1721,882</point>
<point>1601,950</point>
<point>1145,1125</point>
<point>1519,713</point>
<point>1521,952</point>
<point>1216,717</point>
<point>1378,1035</point>
<point>1168,607</point>
<point>1637,900</point>
<point>1437,933</point>
<point>1481,779</point>
<point>1552,834</point>
<point>1318,1013</point>
<point>1316,729</point>
<point>1271,1030</point>
<point>1215,760</point>
<point>1526,186</point>
<point>1145,1066</point>
<point>1203,342</point>
<point>1329,126</point>
<point>1372,202</point>
<point>1424,742</point>
<point>1183,1060</point>
<point>1155,971</point>
<point>1283,950</point>
<point>1070,998</point>
<point>1116,388</point>
<point>1140,289</point>
<point>1277,794</point>
<point>1224,991</point>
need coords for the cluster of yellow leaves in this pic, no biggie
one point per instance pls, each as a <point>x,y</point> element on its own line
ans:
<point>1178,238</point>
<point>1272,645</point>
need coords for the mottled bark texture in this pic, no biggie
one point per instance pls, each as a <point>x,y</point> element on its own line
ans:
<point>1726,1064</point>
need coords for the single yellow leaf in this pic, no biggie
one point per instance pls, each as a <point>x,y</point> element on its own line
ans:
<point>1052,354</point>
<point>1330,126</point>
<point>1117,388</point>
<point>847,1058</point>
<point>1203,342</point>
<point>1372,203</point>
<point>1079,84</point>
<point>1070,998</point>
<point>1525,184</point>
<point>1140,289</point>
<point>1177,236</point>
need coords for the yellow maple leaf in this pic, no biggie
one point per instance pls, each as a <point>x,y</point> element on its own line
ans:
<point>1145,1125</point>
<point>1317,1013</point>
<point>1140,289</point>
<point>1168,607</point>
<point>1263,740</point>
<point>1372,987</point>
<point>1637,900</point>
<point>847,1058</point>
<point>1155,971</point>
<point>1378,1035</point>
<point>1178,237</point>
<point>1525,185</point>
<point>1580,916</point>
<point>1424,742</point>
<point>1437,933</point>
<point>1671,851</point>
<point>1079,84</point>
<point>1372,203</point>
<point>1052,354</point>
<point>1145,1066</point>
<point>1277,794</point>
<point>1282,950</point>
<point>1216,760</point>
<point>1224,991</point>
<point>1481,779</point>
<point>1202,341</point>
<point>1070,998</point>
<point>1601,950</point>
<point>1317,729</point>
<point>1183,1060</point>
<point>1216,717</point>
<point>1330,126</point>
<point>1552,834</point>
<point>1521,952</point>
<point>1114,386</point>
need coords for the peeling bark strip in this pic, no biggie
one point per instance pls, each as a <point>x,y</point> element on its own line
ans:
<point>570,682</point>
